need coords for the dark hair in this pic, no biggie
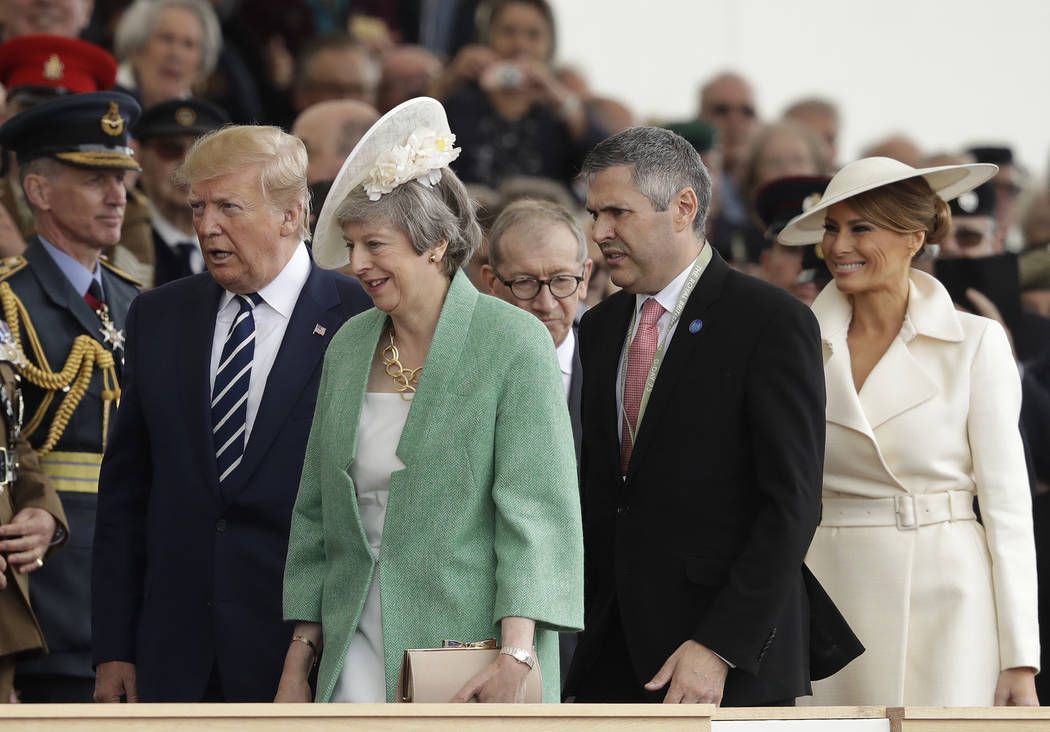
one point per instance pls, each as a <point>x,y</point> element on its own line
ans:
<point>488,15</point>
<point>426,215</point>
<point>663,163</point>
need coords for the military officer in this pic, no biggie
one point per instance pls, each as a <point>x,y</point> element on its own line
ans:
<point>32,522</point>
<point>165,133</point>
<point>35,68</point>
<point>66,305</point>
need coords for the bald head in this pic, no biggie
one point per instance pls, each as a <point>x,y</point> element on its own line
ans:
<point>408,72</point>
<point>728,102</point>
<point>330,130</point>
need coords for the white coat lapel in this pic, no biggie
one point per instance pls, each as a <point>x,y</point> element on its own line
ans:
<point>833,312</point>
<point>897,383</point>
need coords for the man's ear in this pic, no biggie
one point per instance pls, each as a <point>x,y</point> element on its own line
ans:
<point>588,264</point>
<point>38,191</point>
<point>684,209</point>
<point>290,222</point>
<point>489,275</point>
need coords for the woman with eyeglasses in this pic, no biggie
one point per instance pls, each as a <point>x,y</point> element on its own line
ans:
<point>439,497</point>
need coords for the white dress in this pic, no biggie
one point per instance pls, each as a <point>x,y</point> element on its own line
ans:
<point>383,415</point>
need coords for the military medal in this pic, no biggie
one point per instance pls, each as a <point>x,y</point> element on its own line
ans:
<point>111,334</point>
<point>9,350</point>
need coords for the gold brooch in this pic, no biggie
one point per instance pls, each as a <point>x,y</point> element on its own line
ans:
<point>54,68</point>
<point>185,116</point>
<point>112,122</point>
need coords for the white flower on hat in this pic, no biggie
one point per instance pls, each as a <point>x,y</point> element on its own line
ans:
<point>421,158</point>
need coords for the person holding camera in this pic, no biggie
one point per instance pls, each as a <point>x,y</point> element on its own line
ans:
<point>511,115</point>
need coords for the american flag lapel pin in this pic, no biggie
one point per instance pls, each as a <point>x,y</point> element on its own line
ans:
<point>319,330</point>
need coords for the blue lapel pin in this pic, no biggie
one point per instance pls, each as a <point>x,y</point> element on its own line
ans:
<point>695,326</point>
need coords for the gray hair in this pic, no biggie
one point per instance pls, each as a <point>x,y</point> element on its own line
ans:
<point>426,215</point>
<point>136,27</point>
<point>662,165</point>
<point>534,214</point>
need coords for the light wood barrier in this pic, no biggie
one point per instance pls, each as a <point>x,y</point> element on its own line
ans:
<point>555,717</point>
<point>310,717</point>
<point>969,719</point>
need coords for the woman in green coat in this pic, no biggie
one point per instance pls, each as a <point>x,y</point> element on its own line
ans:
<point>439,498</point>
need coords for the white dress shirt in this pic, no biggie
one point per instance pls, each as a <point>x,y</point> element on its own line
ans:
<point>565,352</point>
<point>668,298</point>
<point>271,321</point>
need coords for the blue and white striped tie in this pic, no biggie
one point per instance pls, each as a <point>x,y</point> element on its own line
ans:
<point>229,403</point>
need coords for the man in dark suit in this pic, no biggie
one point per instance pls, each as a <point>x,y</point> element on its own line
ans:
<point>73,156</point>
<point>703,440</point>
<point>538,262</point>
<point>197,491</point>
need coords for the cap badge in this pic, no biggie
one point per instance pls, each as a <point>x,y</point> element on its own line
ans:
<point>54,68</point>
<point>112,122</point>
<point>810,201</point>
<point>185,116</point>
<point>968,202</point>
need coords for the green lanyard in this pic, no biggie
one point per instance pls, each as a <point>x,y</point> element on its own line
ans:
<point>699,265</point>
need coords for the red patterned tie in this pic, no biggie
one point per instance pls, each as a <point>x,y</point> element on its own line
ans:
<point>639,360</point>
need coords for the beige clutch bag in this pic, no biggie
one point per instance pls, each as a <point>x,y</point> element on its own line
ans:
<point>437,674</point>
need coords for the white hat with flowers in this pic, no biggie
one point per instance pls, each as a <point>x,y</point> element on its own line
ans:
<point>410,142</point>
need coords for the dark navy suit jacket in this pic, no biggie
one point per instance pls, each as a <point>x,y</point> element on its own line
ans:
<point>185,576</point>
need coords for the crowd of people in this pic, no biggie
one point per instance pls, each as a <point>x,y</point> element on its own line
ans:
<point>334,330</point>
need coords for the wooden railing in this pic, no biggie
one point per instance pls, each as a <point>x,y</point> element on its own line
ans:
<point>556,717</point>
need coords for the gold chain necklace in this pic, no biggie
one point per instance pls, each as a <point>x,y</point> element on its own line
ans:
<point>405,380</point>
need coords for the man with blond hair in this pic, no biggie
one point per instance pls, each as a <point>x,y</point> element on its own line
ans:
<point>196,492</point>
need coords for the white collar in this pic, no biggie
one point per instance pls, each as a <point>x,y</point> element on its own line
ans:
<point>565,352</point>
<point>282,292</point>
<point>668,297</point>
<point>171,234</point>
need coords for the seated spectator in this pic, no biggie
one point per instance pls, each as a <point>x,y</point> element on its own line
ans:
<point>898,147</point>
<point>335,67</point>
<point>330,131</point>
<point>727,102</point>
<point>510,113</point>
<point>1035,226</point>
<point>165,133</point>
<point>796,269</point>
<point>408,71</point>
<point>1008,184</point>
<point>26,17</point>
<point>166,48</point>
<point>821,116</point>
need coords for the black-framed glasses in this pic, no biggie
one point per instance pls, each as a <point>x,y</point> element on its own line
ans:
<point>527,288</point>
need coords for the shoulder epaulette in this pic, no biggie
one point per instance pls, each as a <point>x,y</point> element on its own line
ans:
<point>10,265</point>
<point>119,273</point>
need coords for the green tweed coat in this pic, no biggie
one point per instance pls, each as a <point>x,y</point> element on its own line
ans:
<point>483,522</point>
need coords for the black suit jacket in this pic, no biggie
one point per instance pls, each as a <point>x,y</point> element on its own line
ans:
<point>187,576</point>
<point>576,392</point>
<point>705,539</point>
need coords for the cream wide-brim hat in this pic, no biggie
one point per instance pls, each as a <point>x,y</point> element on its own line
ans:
<point>392,129</point>
<point>947,181</point>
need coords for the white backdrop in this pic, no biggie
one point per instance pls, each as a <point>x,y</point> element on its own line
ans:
<point>946,72</point>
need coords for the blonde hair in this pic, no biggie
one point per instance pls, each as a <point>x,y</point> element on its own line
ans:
<point>906,207</point>
<point>281,159</point>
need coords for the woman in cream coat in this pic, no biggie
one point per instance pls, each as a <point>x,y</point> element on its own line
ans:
<point>922,415</point>
<point>438,498</point>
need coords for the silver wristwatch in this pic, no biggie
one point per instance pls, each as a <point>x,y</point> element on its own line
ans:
<point>518,654</point>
